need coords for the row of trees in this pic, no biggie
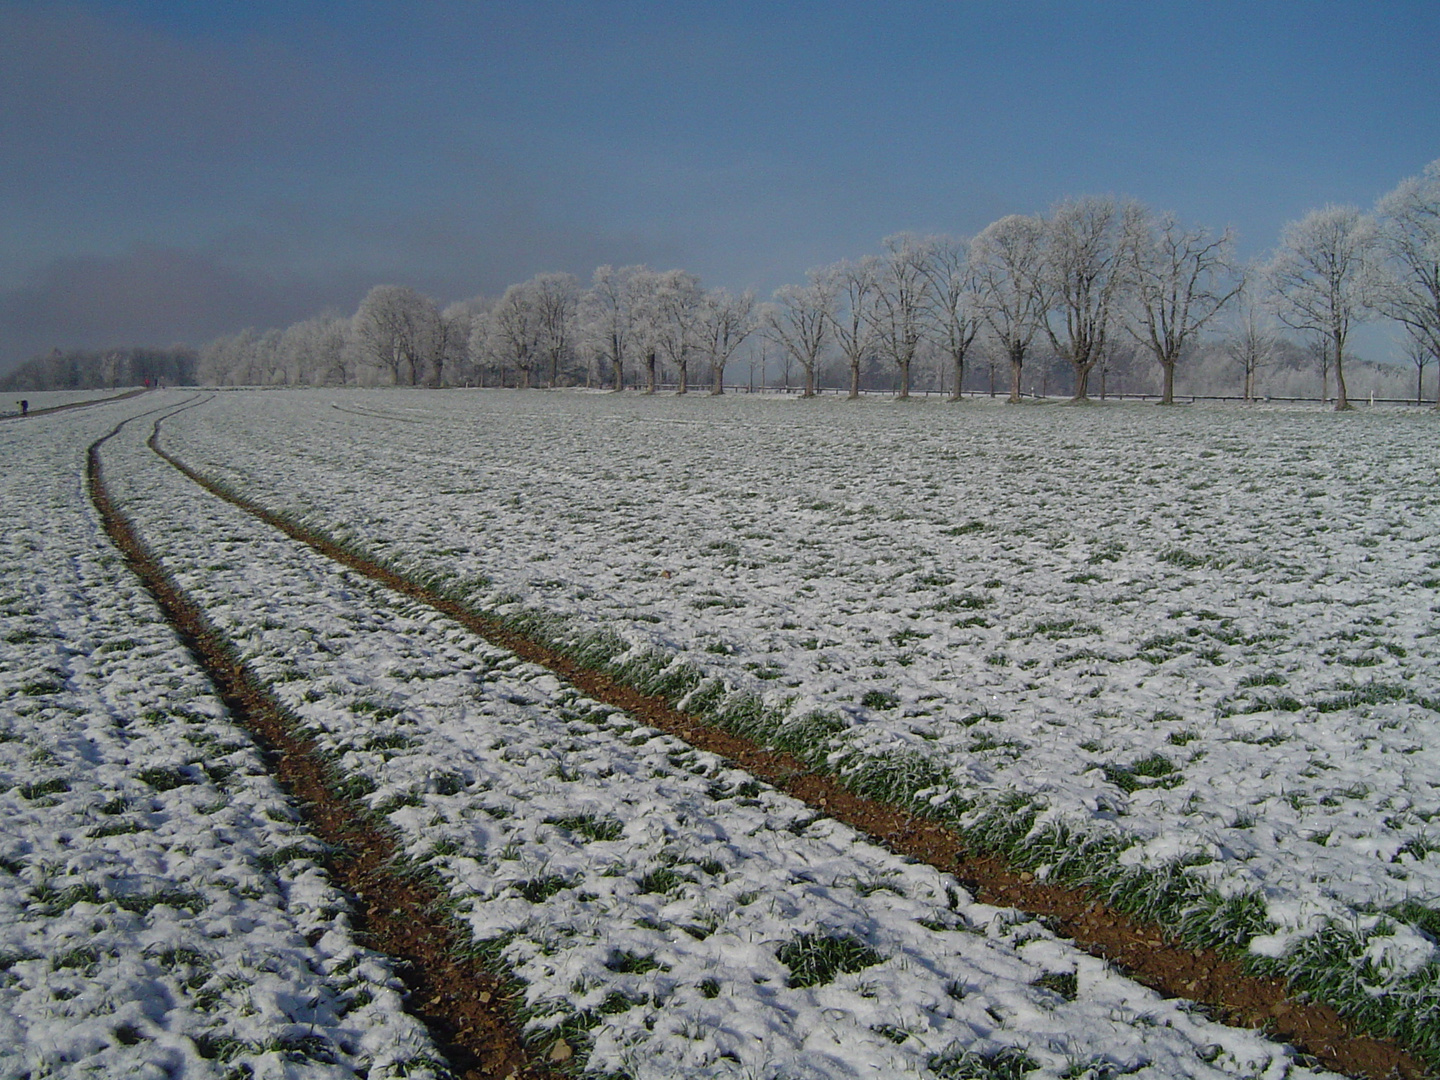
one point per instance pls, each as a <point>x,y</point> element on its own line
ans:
<point>90,369</point>
<point>1094,278</point>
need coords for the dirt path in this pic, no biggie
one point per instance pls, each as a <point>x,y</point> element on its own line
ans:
<point>1219,983</point>
<point>465,1005</point>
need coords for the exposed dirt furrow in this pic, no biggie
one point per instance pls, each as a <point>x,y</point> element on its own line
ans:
<point>1217,982</point>
<point>465,1005</point>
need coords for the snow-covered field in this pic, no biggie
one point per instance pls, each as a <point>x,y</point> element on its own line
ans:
<point>53,399</point>
<point>1202,632</point>
<point>661,909</point>
<point>160,912</point>
<point>1209,631</point>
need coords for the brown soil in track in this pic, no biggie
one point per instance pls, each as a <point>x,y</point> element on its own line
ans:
<point>1144,951</point>
<point>465,1005</point>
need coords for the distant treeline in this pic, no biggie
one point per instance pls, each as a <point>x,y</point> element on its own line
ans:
<point>105,369</point>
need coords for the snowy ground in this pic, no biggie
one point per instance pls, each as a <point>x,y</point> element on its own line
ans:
<point>52,399</point>
<point>160,914</point>
<point>682,918</point>
<point>1211,630</point>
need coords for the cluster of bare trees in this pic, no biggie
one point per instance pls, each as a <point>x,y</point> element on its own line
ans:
<point>1095,278</point>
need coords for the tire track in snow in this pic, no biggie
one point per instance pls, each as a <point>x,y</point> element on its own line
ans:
<point>462,1003</point>
<point>1144,951</point>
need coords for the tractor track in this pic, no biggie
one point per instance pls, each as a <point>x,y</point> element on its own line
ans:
<point>465,1005</point>
<point>74,405</point>
<point>1217,982</point>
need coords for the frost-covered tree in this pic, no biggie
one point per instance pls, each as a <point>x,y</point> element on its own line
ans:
<point>645,303</point>
<point>271,362</point>
<point>852,323</point>
<point>319,351</point>
<point>556,297</point>
<point>902,293</point>
<point>1323,279</point>
<point>609,315</point>
<point>221,361</point>
<point>1008,258</point>
<point>799,321</point>
<point>400,330</point>
<point>1183,277</point>
<point>678,302</point>
<point>953,310</point>
<point>726,320</point>
<point>1088,266</point>
<point>463,365</point>
<point>1420,353</point>
<point>1253,342</point>
<point>514,332</point>
<point>1409,240</point>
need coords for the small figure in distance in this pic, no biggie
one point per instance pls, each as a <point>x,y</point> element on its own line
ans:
<point>24,408</point>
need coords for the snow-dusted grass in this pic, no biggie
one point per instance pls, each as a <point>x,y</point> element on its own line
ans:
<point>161,913</point>
<point>53,399</point>
<point>666,915</point>
<point>1202,638</point>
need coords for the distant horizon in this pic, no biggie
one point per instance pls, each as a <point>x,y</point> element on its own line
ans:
<point>172,173</point>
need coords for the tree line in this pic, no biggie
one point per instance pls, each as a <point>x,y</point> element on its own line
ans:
<point>103,369</point>
<point>1094,279</point>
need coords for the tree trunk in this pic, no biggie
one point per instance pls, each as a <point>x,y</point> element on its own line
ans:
<point>619,375</point>
<point>1015,365</point>
<point>683,364</point>
<point>650,372</point>
<point>855,378</point>
<point>1082,382</point>
<point>809,381</point>
<point>717,372</point>
<point>904,394</point>
<point>1167,397</point>
<point>955,394</point>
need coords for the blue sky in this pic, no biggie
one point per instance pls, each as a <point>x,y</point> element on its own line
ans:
<point>172,170</point>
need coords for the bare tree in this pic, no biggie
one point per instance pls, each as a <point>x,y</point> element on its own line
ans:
<point>902,291</point>
<point>799,321</point>
<point>1318,346</point>
<point>318,350</point>
<point>726,320</point>
<point>398,327</point>
<point>853,286</point>
<point>678,302</point>
<point>1252,345</point>
<point>1008,258</point>
<point>954,302</point>
<point>645,329</point>
<point>1183,277</point>
<point>462,359</point>
<point>1409,234</point>
<point>610,315</point>
<point>1088,265</point>
<point>1419,352</point>
<point>514,332</point>
<point>1323,279</point>
<point>555,299</point>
